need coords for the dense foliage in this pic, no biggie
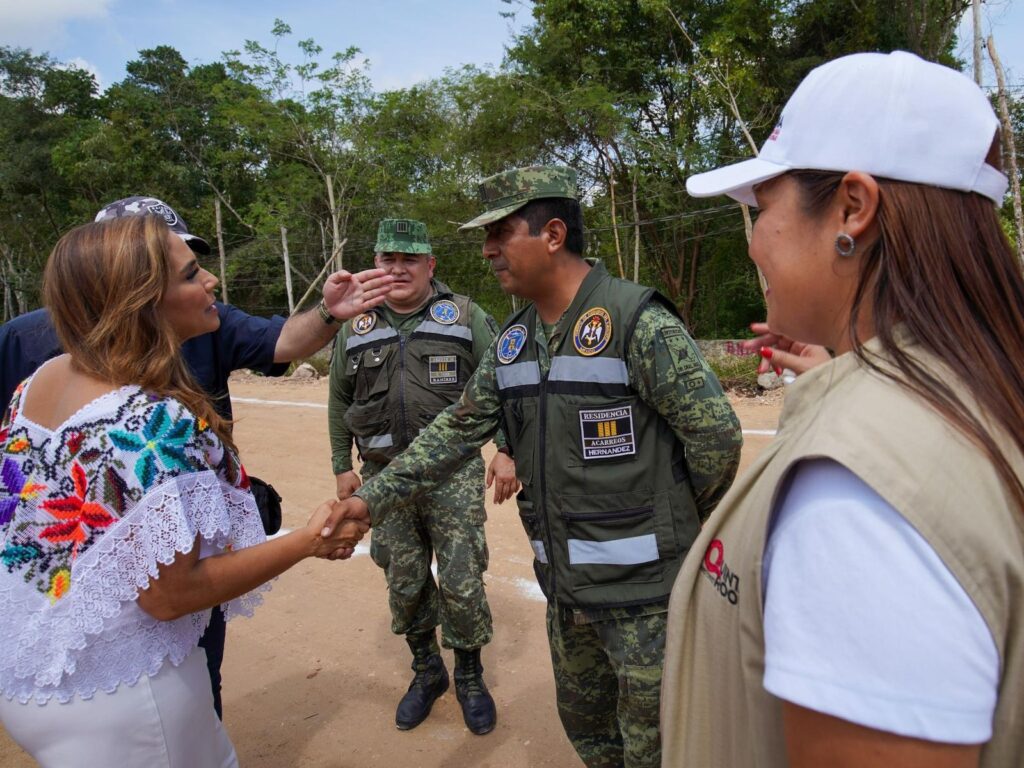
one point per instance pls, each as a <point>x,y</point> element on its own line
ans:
<point>636,94</point>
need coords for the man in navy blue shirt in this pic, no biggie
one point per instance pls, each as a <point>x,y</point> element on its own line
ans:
<point>242,341</point>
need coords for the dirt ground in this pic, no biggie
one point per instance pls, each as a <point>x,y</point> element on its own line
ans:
<point>312,680</point>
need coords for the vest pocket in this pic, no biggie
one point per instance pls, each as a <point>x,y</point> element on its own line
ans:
<point>371,375</point>
<point>613,546</point>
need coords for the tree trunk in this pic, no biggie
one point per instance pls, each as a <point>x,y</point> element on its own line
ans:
<point>976,8</point>
<point>636,233</point>
<point>287,270</point>
<point>338,246</point>
<point>1009,150</point>
<point>220,250</point>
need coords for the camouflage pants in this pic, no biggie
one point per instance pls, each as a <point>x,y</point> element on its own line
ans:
<point>608,686</point>
<point>447,523</point>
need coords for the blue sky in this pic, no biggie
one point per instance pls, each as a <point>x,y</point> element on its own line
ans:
<point>406,41</point>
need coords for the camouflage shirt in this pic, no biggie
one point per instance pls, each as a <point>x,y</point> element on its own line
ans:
<point>661,370</point>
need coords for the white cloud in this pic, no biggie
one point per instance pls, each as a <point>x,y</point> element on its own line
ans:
<point>41,23</point>
<point>87,66</point>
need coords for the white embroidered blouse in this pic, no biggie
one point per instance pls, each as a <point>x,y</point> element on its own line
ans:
<point>87,511</point>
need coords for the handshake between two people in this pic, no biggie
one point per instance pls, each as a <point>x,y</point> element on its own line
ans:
<point>338,526</point>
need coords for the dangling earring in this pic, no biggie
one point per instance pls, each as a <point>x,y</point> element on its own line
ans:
<point>845,245</point>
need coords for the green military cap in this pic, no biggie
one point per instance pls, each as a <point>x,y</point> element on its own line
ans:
<point>507,192</point>
<point>402,236</point>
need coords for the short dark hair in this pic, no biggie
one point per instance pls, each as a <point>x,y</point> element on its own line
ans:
<point>539,212</point>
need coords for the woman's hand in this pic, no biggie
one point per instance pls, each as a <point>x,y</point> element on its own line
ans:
<point>341,540</point>
<point>778,352</point>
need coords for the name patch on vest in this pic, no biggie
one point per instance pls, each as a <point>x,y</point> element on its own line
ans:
<point>445,312</point>
<point>607,433</point>
<point>364,323</point>
<point>444,369</point>
<point>511,343</point>
<point>593,331</point>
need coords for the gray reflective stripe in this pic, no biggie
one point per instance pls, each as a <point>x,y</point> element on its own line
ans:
<point>518,374</point>
<point>539,552</point>
<point>379,334</point>
<point>377,441</point>
<point>598,370</point>
<point>639,549</point>
<point>458,331</point>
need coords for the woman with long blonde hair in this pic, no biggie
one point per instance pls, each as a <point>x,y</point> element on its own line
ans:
<point>125,515</point>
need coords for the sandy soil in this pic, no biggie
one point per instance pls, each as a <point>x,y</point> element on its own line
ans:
<point>314,677</point>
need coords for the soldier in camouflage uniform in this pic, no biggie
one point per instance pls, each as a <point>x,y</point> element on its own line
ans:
<point>394,369</point>
<point>623,441</point>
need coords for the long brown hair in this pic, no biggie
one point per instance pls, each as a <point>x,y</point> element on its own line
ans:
<point>103,285</point>
<point>943,268</point>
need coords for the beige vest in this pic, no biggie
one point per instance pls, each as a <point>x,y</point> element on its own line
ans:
<point>715,711</point>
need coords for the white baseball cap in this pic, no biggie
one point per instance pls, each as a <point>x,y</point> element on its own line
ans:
<point>894,116</point>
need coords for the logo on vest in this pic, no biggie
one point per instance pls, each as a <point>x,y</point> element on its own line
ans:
<point>364,323</point>
<point>607,433</point>
<point>593,331</point>
<point>445,312</point>
<point>443,369</point>
<point>725,582</point>
<point>511,343</point>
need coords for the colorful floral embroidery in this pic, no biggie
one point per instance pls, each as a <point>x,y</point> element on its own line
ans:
<point>92,475</point>
<point>75,514</point>
<point>16,488</point>
<point>161,437</point>
<point>59,584</point>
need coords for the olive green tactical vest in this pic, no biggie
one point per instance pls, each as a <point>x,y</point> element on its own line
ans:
<point>606,498</point>
<point>403,382</point>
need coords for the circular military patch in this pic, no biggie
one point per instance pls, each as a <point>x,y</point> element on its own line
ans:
<point>445,312</point>
<point>364,323</point>
<point>511,343</point>
<point>593,331</point>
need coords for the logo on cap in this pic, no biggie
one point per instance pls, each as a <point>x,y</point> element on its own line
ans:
<point>364,323</point>
<point>511,343</point>
<point>165,212</point>
<point>593,331</point>
<point>445,312</point>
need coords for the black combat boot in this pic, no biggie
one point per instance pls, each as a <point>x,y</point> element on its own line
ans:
<point>477,704</point>
<point>430,682</point>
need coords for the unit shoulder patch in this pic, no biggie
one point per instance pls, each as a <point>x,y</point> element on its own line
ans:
<point>364,323</point>
<point>445,311</point>
<point>593,331</point>
<point>511,343</point>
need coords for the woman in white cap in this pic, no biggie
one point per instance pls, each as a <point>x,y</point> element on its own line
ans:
<point>856,598</point>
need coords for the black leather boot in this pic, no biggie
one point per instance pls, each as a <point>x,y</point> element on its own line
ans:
<point>477,705</point>
<point>430,682</point>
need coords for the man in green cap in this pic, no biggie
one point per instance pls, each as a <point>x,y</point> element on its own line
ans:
<point>623,442</point>
<point>394,369</point>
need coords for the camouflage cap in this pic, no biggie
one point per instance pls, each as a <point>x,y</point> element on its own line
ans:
<point>142,206</point>
<point>507,192</point>
<point>402,236</point>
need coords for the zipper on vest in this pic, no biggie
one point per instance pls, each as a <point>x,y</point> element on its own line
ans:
<point>608,516</point>
<point>403,418</point>
<point>543,432</point>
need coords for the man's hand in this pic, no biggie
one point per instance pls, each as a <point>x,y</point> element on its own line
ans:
<point>340,541</point>
<point>778,352</point>
<point>502,472</point>
<point>347,295</point>
<point>348,483</point>
<point>351,509</point>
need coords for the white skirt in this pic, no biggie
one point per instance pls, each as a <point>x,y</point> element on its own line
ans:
<point>164,721</point>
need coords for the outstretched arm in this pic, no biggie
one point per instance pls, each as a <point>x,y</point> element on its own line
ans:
<point>345,295</point>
